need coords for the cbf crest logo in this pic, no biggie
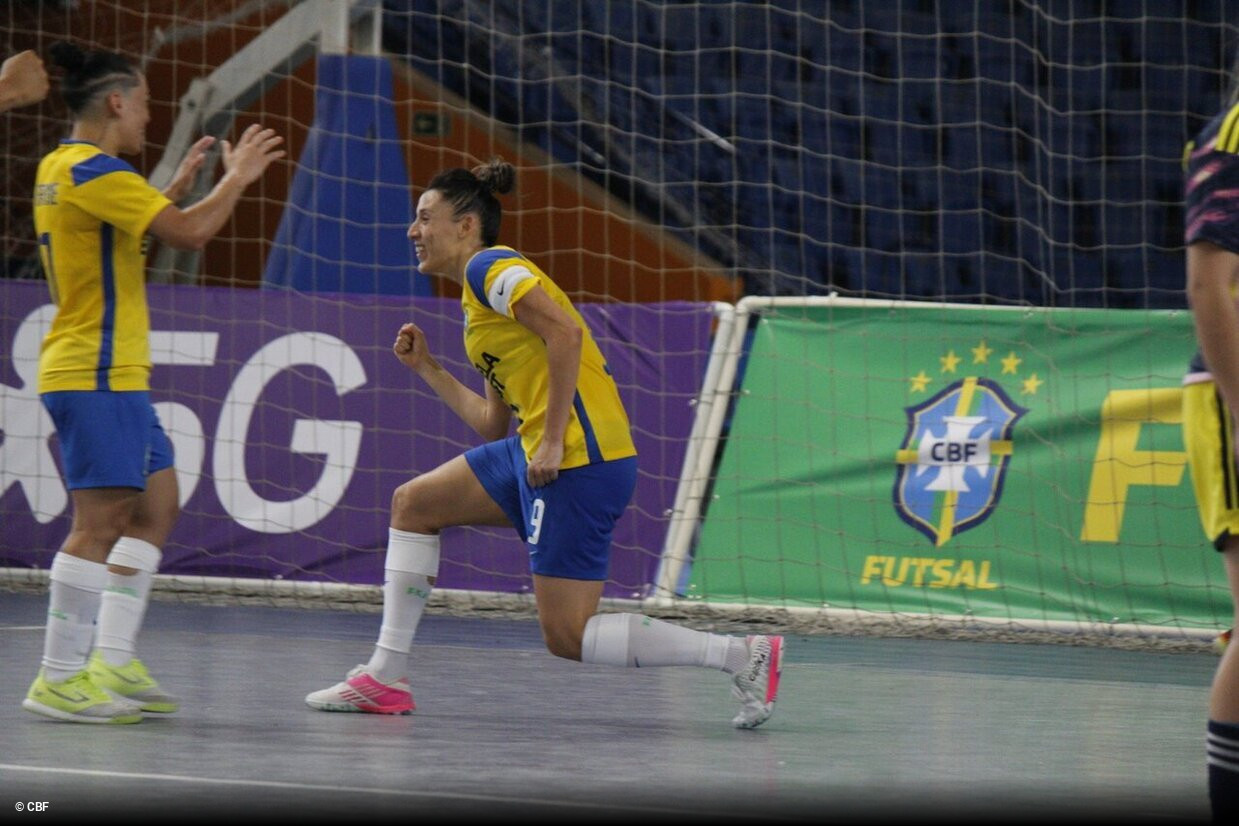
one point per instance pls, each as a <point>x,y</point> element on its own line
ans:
<point>957,448</point>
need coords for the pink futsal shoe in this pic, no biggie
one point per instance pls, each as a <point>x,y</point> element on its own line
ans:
<point>362,691</point>
<point>756,686</point>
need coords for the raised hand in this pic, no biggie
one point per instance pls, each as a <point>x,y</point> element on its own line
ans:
<point>23,80</point>
<point>410,346</point>
<point>187,170</point>
<point>255,150</point>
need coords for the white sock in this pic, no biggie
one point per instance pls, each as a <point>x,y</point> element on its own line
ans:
<point>412,559</point>
<point>124,599</point>
<point>641,642</point>
<point>73,603</point>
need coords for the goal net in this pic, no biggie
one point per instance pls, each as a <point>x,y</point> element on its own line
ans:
<point>991,446</point>
<point>292,422</point>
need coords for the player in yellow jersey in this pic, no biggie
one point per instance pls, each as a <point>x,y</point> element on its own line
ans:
<point>91,211</point>
<point>562,480</point>
<point>1210,397</point>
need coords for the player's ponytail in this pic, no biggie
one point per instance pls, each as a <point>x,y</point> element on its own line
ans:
<point>474,191</point>
<point>497,175</point>
<point>90,75</point>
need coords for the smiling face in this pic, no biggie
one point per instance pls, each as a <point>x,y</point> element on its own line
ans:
<point>443,241</point>
<point>132,110</point>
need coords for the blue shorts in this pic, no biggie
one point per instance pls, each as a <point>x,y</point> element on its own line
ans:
<point>566,524</point>
<point>108,439</point>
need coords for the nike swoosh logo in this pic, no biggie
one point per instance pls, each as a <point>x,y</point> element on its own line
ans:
<point>80,698</point>
<point>501,289</point>
<point>118,675</point>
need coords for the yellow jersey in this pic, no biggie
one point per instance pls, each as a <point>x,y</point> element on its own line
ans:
<point>90,212</point>
<point>512,359</point>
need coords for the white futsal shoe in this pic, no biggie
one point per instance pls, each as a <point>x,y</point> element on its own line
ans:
<point>756,686</point>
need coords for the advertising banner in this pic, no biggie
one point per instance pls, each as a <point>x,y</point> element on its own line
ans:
<point>293,424</point>
<point>965,462</point>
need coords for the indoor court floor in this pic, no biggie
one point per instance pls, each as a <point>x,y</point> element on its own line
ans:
<point>865,729</point>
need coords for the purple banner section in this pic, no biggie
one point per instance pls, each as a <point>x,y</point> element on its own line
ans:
<point>293,423</point>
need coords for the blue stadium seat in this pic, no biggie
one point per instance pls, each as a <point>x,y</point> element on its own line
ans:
<point>881,102</point>
<point>883,272</point>
<point>883,142</point>
<point>961,147</point>
<point>955,189</point>
<point>960,230</point>
<point>1083,139</point>
<point>845,224</point>
<point>1125,181</point>
<point>1165,274</point>
<point>920,58</point>
<point>881,187</point>
<point>813,131</point>
<point>998,278</point>
<point>1123,225</point>
<point>845,269</point>
<point>844,137</point>
<point>956,103</point>
<point>940,89</point>
<point>786,173</point>
<point>842,52</point>
<point>880,16</point>
<point>1079,271</point>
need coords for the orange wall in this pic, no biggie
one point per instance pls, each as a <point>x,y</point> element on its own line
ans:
<point>589,242</point>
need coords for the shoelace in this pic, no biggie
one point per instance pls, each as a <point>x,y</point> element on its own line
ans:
<point>763,654</point>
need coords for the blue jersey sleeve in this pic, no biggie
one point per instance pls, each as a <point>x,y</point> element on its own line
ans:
<point>1212,199</point>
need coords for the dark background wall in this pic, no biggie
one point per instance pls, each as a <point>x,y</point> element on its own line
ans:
<point>1022,151</point>
<point>1012,151</point>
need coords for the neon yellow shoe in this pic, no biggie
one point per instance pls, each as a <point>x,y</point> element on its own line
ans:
<point>78,700</point>
<point>131,682</point>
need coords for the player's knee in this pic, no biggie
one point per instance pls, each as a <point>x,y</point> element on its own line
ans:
<point>564,648</point>
<point>562,642</point>
<point>93,541</point>
<point>105,535</point>
<point>154,523</point>
<point>409,510</point>
<point>404,504</point>
<point>105,527</point>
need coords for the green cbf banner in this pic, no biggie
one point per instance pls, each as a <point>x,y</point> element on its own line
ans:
<point>996,463</point>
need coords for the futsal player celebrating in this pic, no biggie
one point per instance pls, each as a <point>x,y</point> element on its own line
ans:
<point>1210,398</point>
<point>562,480</point>
<point>91,211</point>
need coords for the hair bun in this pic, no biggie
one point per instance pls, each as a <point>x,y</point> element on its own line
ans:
<point>497,175</point>
<point>68,56</point>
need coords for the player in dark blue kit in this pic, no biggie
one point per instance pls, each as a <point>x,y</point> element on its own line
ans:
<point>1211,395</point>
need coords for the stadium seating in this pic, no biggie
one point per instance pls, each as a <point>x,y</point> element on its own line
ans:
<point>1026,155</point>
